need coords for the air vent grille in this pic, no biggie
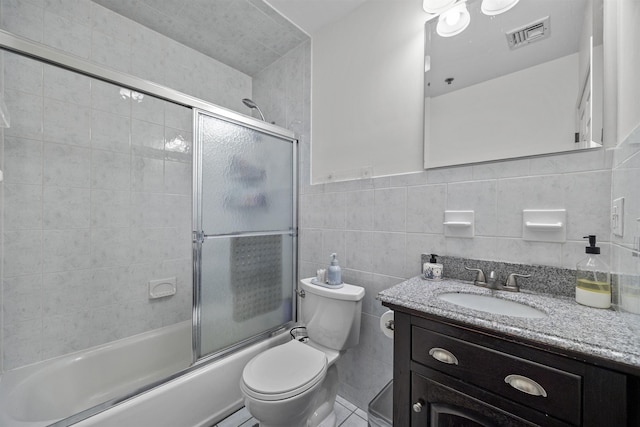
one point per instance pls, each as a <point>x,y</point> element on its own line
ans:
<point>535,31</point>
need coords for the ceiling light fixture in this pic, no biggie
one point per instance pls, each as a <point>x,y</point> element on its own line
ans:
<point>496,7</point>
<point>437,6</point>
<point>453,21</point>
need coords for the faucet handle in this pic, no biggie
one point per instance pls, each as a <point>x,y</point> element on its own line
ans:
<point>493,277</point>
<point>480,278</point>
<point>512,280</point>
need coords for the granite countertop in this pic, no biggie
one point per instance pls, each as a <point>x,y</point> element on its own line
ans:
<point>569,325</point>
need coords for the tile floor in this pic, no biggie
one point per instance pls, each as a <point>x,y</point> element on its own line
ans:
<point>348,415</point>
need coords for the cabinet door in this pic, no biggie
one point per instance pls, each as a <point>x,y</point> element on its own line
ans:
<point>437,405</point>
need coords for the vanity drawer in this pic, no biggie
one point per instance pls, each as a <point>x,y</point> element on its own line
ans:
<point>552,391</point>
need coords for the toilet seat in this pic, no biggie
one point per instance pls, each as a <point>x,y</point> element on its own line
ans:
<point>283,371</point>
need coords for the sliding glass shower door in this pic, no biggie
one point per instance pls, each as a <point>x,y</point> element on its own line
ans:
<point>244,233</point>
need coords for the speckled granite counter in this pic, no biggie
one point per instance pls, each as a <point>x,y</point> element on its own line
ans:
<point>569,325</point>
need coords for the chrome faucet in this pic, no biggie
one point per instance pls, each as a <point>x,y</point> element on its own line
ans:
<point>511,284</point>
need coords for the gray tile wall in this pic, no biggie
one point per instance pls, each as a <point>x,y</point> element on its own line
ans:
<point>380,226</point>
<point>626,163</point>
<point>97,190</point>
<point>97,202</point>
<point>626,248</point>
<point>95,33</point>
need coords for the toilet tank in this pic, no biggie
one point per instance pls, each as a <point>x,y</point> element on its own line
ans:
<point>332,316</point>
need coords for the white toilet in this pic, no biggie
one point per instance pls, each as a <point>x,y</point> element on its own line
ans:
<point>295,384</point>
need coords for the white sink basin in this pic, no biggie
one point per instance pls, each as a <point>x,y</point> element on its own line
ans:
<point>493,305</point>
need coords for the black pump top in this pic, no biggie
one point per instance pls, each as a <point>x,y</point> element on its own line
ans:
<point>433,258</point>
<point>592,248</point>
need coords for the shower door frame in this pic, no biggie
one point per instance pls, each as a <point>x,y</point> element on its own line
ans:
<point>199,237</point>
<point>24,47</point>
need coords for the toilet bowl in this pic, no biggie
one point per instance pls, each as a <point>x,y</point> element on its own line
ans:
<point>295,384</point>
<point>281,385</point>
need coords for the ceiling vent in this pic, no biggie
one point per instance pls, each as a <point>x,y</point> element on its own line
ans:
<point>535,31</point>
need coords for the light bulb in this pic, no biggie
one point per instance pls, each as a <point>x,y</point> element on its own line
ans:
<point>496,7</point>
<point>453,21</point>
<point>436,6</point>
<point>452,17</point>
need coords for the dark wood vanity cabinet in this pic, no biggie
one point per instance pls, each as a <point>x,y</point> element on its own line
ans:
<point>448,375</point>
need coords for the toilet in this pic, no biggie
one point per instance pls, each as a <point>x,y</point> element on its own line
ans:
<point>295,384</point>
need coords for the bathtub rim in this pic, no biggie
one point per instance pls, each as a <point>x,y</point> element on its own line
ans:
<point>200,363</point>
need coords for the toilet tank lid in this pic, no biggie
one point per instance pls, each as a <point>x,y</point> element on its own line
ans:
<point>347,292</point>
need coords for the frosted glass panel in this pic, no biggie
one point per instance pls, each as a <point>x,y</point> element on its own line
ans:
<point>246,288</point>
<point>246,179</point>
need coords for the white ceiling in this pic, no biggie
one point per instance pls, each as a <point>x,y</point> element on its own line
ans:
<point>312,15</point>
<point>481,52</point>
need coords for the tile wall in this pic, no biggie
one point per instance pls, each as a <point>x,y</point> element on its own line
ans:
<point>626,163</point>
<point>626,248</point>
<point>97,181</point>
<point>97,203</point>
<point>380,226</point>
<point>92,32</point>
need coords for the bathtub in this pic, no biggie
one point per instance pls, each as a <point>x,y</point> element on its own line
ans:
<point>41,394</point>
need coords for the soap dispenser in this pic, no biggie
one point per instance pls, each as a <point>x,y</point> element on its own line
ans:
<point>432,270</point>
<point>593,285</point>
<point>334,274</point>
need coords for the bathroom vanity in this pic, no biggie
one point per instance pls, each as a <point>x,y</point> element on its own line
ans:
<point>573,366</point>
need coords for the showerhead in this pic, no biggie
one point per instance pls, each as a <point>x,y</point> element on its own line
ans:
<point>249,103</point>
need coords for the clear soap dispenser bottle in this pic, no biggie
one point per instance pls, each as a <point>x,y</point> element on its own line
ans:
<point>593,285</point>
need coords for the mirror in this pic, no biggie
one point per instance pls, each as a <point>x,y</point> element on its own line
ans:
<point>523,83</point>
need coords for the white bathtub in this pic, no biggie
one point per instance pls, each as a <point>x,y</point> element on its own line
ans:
<point>41,394</point>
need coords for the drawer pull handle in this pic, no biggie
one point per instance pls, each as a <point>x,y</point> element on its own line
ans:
<point>417,407</point>
<point>525,385</point>
<point>444,356</point>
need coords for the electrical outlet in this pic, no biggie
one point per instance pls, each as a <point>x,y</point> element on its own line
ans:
<point>617,217</point>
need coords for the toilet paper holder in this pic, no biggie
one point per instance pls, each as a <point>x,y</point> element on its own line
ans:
<point>389,324</point>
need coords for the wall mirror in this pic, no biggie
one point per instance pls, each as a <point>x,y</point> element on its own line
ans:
<point>522,83</point>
